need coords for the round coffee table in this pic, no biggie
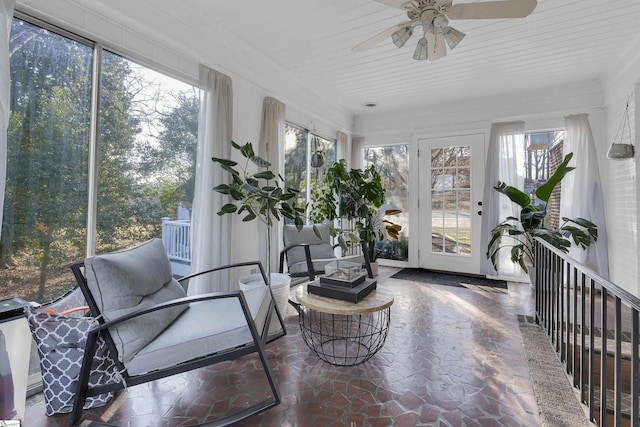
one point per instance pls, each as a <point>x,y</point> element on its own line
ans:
<point>344,333</point>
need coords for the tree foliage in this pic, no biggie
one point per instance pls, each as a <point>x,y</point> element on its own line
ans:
<point>46,196</point>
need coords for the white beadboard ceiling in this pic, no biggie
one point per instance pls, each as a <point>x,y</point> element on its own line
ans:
<point>561,42</point>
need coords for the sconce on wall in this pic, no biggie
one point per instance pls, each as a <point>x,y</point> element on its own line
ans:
<point>620,150</point>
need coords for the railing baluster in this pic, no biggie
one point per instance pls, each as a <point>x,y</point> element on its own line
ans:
<point>562,289</point>
<point>635,386</point>
<point>592,350</point>
<point>574,331</point>
<point>548,279</point>
<point>583,332</point>
<point>617,371</point>
<point>603,357</point>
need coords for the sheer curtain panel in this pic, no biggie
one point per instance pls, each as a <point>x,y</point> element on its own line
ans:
<point>581,195</point>
<point>6,16</point>
<point>271,138</point>
<point>211,233</point>
<point>343,148</point>
<point>357,153</point>
<point>505,162</point>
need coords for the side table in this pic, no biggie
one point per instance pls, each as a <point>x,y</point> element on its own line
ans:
<point>344,333</point>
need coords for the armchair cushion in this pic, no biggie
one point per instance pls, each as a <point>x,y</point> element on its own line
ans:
<point>205,328</point>
<point>130,280</point>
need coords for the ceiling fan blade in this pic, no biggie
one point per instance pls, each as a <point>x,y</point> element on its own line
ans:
<point>436,45</point>
<point>492,9</point>
<point>380,37</point>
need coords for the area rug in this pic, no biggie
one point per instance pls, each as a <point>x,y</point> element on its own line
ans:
<point>557,401</point>
<point>439,278</point>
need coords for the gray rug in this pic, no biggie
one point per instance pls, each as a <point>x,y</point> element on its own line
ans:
<point>556,398</point>
<point>458,280</point>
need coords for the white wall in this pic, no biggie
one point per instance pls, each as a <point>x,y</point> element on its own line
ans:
<point>621,85</point>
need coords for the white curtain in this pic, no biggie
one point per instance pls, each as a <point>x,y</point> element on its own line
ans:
<point>272,132</point>
<point>211,233</point>
<point>505,162</point>
<point>343,148</point>
<point>581,194</point>
<point>6,16</point>
<point>357,153</point>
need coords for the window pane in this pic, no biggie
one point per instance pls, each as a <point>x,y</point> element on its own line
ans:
<point>306,158</point>
<point>44,222</point>
<point>295,162</point>
<point>392,163</point>
<point>325,150</point>
<point>147,146</point>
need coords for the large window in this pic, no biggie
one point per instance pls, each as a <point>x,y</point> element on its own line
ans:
<point>147,149</point>
<point>306,157</point>
<point>392,163</point>
<point>146,144</point>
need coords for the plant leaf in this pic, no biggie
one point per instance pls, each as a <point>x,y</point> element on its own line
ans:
<point>226,162</point>
<point>228,208</point>
<point>230,169</point>
<point>260,162</point>
<point>222,188</point>
<point>247,150</point>
<point>249,217</point>
<point>516,196</point>
<point>316,231</point>
<point>544,191</point>
<point>268,175</point>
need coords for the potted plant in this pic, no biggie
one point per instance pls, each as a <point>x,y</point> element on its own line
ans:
<point>317,159</point>
<point>384,228</point>
<point>352,196</point>
<point>260,196</point>
<point>519,233</point>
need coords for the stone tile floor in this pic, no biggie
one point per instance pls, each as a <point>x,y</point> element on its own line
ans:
<point>453,357</point>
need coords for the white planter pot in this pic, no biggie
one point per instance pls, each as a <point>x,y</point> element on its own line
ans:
<point>280,284</point>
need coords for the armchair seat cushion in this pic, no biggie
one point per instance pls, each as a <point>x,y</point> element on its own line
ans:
<point>206,328</point>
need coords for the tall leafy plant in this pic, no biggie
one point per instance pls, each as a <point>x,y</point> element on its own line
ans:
<point>518,234</point>
<point>353,195</point>
<point>258,196</point>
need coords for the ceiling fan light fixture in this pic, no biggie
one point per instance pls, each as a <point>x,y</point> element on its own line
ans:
<point>452,36</point>
<point>440,23</point>
<point>422,51</point>
<point>401,36</point>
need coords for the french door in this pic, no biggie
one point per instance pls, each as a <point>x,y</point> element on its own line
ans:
<point>451,172</point>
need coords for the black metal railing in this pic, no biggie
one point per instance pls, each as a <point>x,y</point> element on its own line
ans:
<point>593,325</point>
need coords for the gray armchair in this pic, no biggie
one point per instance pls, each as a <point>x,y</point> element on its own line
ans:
<point>152,329</point>
<point>306,255</point>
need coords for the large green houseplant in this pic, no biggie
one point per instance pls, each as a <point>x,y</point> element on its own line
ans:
<point>261,195</point>
<point>518,234</point>
<point>354,196</point>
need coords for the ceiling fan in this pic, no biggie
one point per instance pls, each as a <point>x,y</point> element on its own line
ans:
<point>434,16</point>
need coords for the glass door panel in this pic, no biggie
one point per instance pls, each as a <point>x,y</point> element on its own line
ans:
<point>450,179</point>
